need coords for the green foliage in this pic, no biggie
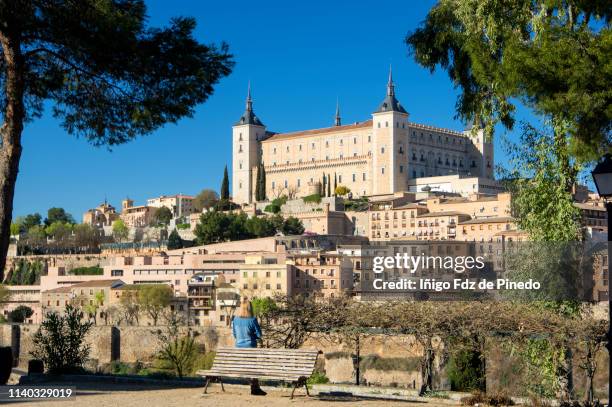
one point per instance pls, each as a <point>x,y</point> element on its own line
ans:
<point>5,294</point>
<point>464,371</point>
<point>60,341</point>
<point>275,206</point>
<point>203,361</point>
<point>87,271</point>
<point>225,186</point>
<point>217,227</point>
<point>314,198</point>
<point>120,230</point>
<point>206,199</point>
<point>260,183</point>
<point>26,272</point>
<point>262,306</point>
<point>59,230</point>
<point>317,378</point>
<point>174,241</point>
<point>292,226</point>
<point>154,298</point>
<point>15,229</point>
<point>20,314</point>
<point>183,226</point>
<point>494,53</point>
<point>161,217</point>
<point>357,205</point>
<point>58,215</point>
<point>341,190</point>
<point>542,201</point>
<point>28,221</point>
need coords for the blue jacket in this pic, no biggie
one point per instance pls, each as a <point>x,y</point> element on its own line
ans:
<point>246,331</point>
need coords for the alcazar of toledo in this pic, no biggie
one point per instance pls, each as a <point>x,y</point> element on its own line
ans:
<point>382,155</point>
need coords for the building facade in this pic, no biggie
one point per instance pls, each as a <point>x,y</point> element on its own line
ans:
<point>377,156</point>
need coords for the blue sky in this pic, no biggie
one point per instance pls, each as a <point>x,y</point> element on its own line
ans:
<point>299,57</point>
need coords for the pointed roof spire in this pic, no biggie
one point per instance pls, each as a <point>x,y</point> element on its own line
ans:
<point>390,103</point>
<point>248,117</point>
<point>390,86</point>
<point>249,101</point>
<point>338,121</point>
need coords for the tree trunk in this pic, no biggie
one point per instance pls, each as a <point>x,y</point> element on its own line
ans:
<point>427,368</point>
<point>10,133</point>
<point>565,377</point>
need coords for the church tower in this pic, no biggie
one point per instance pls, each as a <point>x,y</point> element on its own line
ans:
<point>389,154</point>
<point>246,136</point>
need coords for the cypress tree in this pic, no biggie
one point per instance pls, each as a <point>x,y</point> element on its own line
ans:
<point>225,186</point>
<point>262,192</point>
<point>335,183</point>
<point>257,183</point>
<point>329,185</point>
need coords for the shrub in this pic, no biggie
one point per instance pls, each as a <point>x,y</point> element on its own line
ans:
<point>465,371</point>
<point>317,378</point>
<point>203,361</point>
<point>87,271</point>
<point>183,226</point>
<point>314,198</point>
<point>496,399</point>
<point>60,341</point>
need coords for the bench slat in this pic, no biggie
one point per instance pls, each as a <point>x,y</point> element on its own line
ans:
<point>247,376</point>
<point>270,350</point>
<point>275,357</point>
<point>265,360</point>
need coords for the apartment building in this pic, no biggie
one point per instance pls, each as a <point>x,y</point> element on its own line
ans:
<point>323,274</point>
<point>180,205</point>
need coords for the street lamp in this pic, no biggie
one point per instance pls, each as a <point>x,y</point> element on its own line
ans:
<point>602,176</point>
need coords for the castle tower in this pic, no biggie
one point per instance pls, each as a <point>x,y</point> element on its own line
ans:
<point>481,158</point>
<point>246,136</point>
<point>389,157</point>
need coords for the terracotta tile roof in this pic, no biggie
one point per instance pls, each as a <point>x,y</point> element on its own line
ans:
<point>493,219</point>
<point>65,289</point>
<point>447,213</point>
<point>334,129</point>
<point>98,283</point>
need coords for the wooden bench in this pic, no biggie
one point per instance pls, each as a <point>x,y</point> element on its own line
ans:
<point>287,365</point>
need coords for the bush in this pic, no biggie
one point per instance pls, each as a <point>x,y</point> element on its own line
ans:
<point>183,226</point>
<point>60,341</point>
<point>465,371</point>
<point>87,271</point>
<point>317,378</point>
<point>203,361</point>
<point>496,399</point>
<point>314,198</point>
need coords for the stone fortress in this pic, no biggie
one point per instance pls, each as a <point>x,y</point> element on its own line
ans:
<point>382,155</point>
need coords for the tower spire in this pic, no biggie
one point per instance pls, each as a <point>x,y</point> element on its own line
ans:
<point>338,121</point>
<point>390,86</point>
<point>249,101</point>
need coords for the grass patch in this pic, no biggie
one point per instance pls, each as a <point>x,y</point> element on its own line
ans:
<point>87,271</point>
<point>314,198</point>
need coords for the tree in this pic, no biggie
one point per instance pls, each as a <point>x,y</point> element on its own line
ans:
<point>92,307</point>
<point>262,183</point>
<point>174,241</point>
<point>494,53</point>
<point>161,217</point>
<point>292,226</point>
<point>5,294</point>
<point>60,341</point>
<point>206,199</point>
<point>153,299</point>
<point>335,182</point>
<point>259,226</point>
<point>58,215</point>
<point>29,221</point>
<point>178,349</point>
<point>111,78</point>
<point>130,308</point>
<point>120,230</point>
<point>15,229</point>
<point>341,190</point>
<point>20,314</point>
<point>329,186</point>
<point>225,186</point>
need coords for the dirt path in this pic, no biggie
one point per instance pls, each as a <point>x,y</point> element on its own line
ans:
<point>192,397</point>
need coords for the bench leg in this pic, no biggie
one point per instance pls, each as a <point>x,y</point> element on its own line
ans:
<point>222,388</point>
<point>295,386</point>
<point>306,387</point>
<point>206,386</point>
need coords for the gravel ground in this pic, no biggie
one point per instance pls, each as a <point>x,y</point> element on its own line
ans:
<point>235,396</point>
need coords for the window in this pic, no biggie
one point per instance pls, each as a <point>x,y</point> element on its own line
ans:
<point>401,168</point>
<point>382,170</point>
<point>382,150</point>
<point>278,286</point>
<point>267,274</point>
<point>340,178</point>
<point>354,178</point>
<point>363,176</point>
<point>267,286</point>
